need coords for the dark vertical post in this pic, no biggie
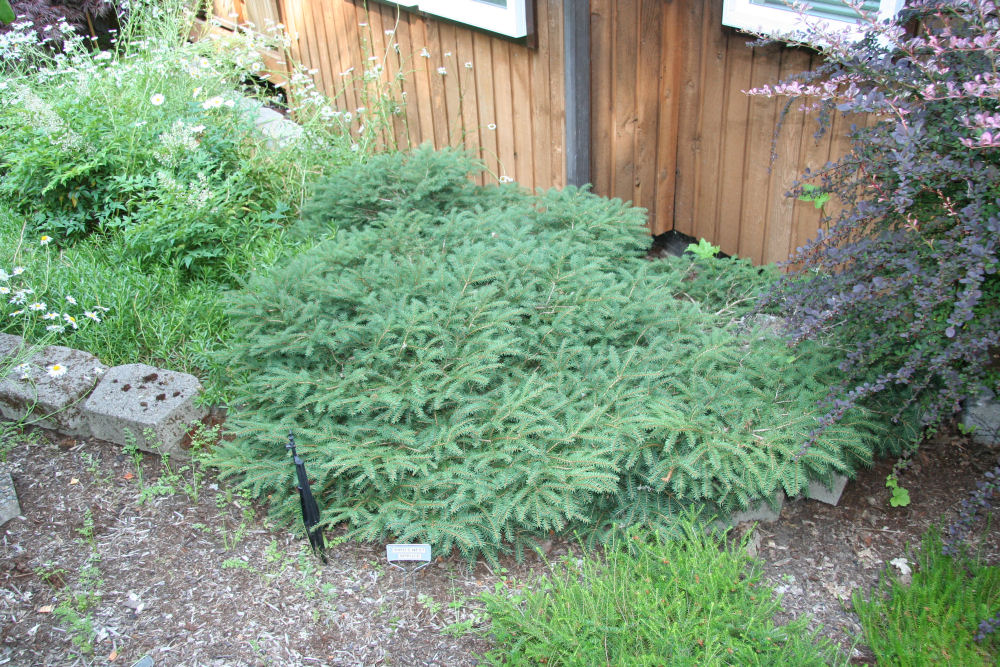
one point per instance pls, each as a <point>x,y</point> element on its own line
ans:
<point>576,56</point>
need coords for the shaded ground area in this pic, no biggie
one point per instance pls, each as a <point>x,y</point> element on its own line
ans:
<point>105,556</point>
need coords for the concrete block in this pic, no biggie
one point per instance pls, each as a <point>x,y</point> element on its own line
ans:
<point>137,398</point>
<point>983,413</point>
<point>765,511</point>
<point>9,507</point>
<point>830,495</point>
<point>10,345</point>
<point>49,400</point>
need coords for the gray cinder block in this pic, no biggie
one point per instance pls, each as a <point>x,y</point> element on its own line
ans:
<point>137,398</point>
<point>9,507</point>
<point>765,511</point>
<point>830,495</point>
<point>50,400</point>
<point>982,415</point>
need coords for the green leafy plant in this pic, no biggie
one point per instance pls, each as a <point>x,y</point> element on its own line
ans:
<point>900,495</point>
<point>703,249</point>
<point>814,194</point>
<point>76,610</point>
<point>933,619</point>
<point>494,371</point>
<point>689,599</point>
<point>6,12</point>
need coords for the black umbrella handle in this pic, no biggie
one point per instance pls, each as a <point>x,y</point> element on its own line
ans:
<point>291,445</point>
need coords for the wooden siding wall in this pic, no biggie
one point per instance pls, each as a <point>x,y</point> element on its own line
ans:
<point>673,133</point>
<point>508,106</point>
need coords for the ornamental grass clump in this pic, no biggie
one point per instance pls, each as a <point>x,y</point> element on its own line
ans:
<point>905,276</point>
<point>478,377</point>
<point>648,600</point>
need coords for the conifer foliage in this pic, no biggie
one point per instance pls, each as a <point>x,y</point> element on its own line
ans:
<point>474,376</point>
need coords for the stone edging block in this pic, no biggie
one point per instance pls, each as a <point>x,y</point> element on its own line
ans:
<point>55,401</point>
<point>143,400</point>
<point>9,507</point>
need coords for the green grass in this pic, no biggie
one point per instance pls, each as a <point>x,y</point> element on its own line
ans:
<point>155,314</point>
<point>934,619</point>
<point>689,600</point>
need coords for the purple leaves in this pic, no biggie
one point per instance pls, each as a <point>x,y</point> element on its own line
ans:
<point>905,276</point>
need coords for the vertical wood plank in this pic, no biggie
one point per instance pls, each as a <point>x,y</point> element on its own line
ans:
<point>671,52</point>
<point>555,52</point>
<point>760,131</point>
<point>739,60</point>
<point>521,98</point>
<point>688,113</point>
<point>541,98</point>
<point>710,120</point>
<point>502,87</point>
<point>626,53</point>
<point>485,105</point>
<point>785,168</point>
<point>601,94</point>
<point>647,103</point>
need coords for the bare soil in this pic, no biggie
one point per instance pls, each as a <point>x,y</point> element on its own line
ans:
<point>205,581</point>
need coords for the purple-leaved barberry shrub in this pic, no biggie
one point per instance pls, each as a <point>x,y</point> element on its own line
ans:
<point>904,274</point>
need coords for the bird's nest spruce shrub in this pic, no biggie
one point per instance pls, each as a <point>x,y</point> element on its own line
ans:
<point>476,375</point>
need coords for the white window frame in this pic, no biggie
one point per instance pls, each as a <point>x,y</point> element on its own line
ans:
<point>511,20</point>
<point>745,15</point>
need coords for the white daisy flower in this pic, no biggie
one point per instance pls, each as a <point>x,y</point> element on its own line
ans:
<point>18,270</point>
<point>50,316</point>
<point>71,320</point>
<point>157,99</point>
<point>24,370</point>
<point>45,240</point>
<point>70,299</point>
<point>89,314</point>
<point>38,305</point>
<point>55,327</point>
<point>4,289</point>
<point>56,370</point>
<point>212,103</point>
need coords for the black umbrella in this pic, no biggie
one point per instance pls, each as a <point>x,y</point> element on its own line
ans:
<point>310,511</point>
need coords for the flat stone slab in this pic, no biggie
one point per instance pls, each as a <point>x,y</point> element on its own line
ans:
<point>830,495</point>
<point>47,386</point>
<point>982,415</point>
<point>154,405</point>
<point>9,507</point>
<point>765,511</point>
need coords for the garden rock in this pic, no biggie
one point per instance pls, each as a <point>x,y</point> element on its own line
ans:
<point>765,511</point>
<point>830,495</point>
<point>983,413</point>
<point>9,507</point>
<point>49,400</point>
<point>279,130</point>
<point>138,398</point>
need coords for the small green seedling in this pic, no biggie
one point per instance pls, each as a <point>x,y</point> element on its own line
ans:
<point>900,495</point>
<point>812,193</point>
<point>966,429</point>
<point>703,249</point>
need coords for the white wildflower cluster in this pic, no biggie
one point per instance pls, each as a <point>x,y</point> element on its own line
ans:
<point>177,143</point>
<point>19,302</point>
<point>194,194</point>
<point>43,117</point>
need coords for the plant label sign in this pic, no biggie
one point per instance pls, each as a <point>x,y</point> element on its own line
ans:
<point>397,552</point>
